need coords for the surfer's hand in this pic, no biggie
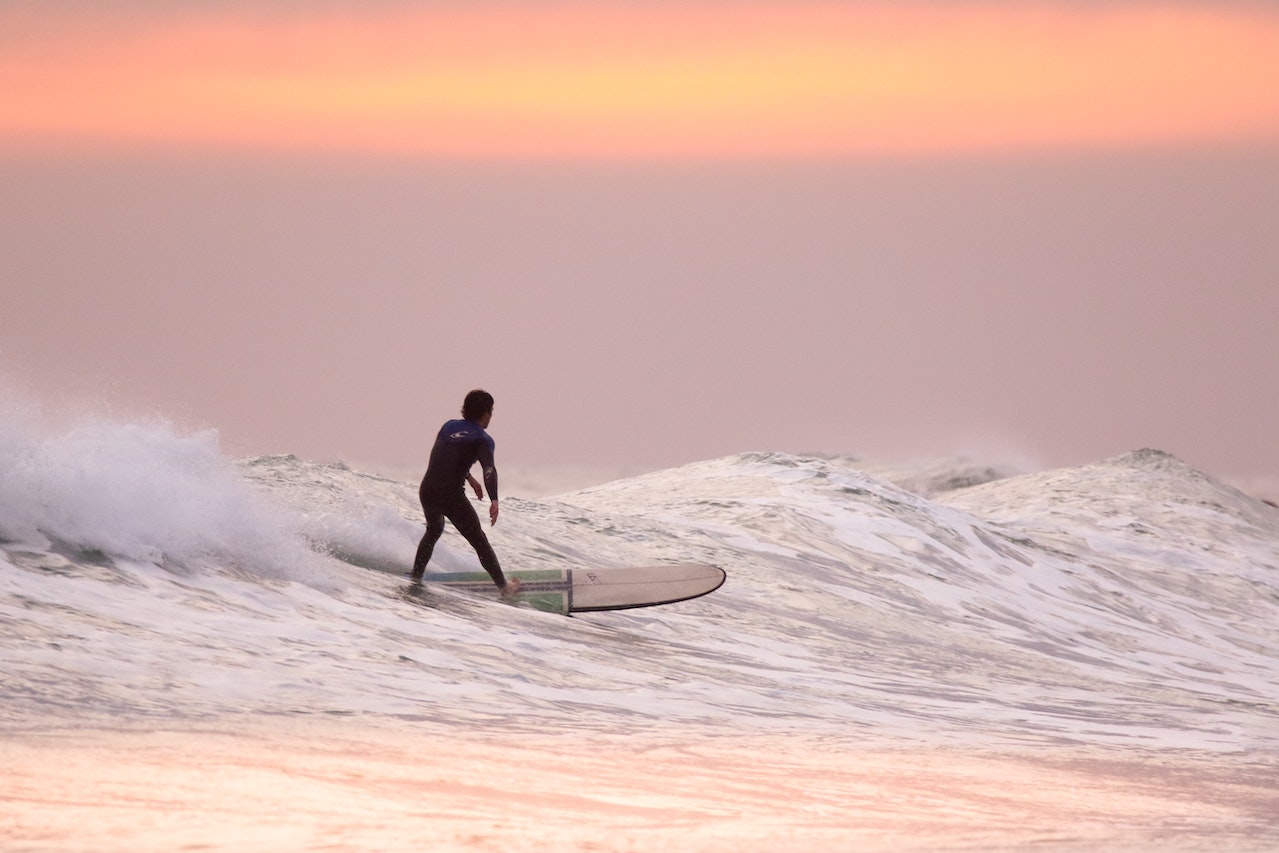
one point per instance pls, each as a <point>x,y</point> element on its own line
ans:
<point>493,513</point>
<point>475,484</point>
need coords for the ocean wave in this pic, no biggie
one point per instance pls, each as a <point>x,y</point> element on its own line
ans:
<point>1133,601</point>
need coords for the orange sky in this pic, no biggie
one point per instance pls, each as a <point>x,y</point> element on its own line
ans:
<point>779,79</point>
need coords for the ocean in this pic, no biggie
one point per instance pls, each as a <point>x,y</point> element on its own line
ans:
<point>935,656</point>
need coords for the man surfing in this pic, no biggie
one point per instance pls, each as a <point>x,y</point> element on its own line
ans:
<point>458,446</point>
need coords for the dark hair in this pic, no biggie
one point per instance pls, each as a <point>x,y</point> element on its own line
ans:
<point>477,404</point>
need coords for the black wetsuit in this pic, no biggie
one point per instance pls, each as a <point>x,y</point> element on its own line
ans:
<point>459,445</point>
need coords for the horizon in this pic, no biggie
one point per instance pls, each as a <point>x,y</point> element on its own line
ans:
<point>656,233</point>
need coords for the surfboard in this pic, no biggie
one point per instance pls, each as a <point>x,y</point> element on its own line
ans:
<point>584,590</point>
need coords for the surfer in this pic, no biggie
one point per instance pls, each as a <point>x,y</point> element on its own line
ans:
<point>458,446</point>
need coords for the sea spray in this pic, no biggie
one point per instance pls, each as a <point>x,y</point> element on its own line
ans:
<point>139,491</point>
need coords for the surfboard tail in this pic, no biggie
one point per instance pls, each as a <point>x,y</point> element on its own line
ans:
<point>550,590</point>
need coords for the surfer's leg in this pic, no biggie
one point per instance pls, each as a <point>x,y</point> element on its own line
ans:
<point>463,516</point>
<point>434,529</point>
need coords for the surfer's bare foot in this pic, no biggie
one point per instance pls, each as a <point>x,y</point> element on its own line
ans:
<point>512,587</point>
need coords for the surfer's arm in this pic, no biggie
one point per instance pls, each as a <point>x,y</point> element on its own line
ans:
<point>485,458</point>
<point>475,484</point>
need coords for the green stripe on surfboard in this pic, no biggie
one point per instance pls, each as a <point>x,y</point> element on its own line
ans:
<point>543,589</point>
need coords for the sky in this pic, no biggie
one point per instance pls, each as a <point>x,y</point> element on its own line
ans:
<point>658,232</point>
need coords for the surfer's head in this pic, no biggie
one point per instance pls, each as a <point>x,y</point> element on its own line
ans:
<point>477,404</point>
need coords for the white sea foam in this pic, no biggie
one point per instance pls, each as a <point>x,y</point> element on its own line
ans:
<point>138,491</point>
<point>1131,605</point>
<point>1133,601</point>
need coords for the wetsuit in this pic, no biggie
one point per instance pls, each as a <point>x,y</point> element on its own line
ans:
<point>459,445</point>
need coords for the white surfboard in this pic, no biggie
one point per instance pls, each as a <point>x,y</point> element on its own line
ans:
<point>584,590</point>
